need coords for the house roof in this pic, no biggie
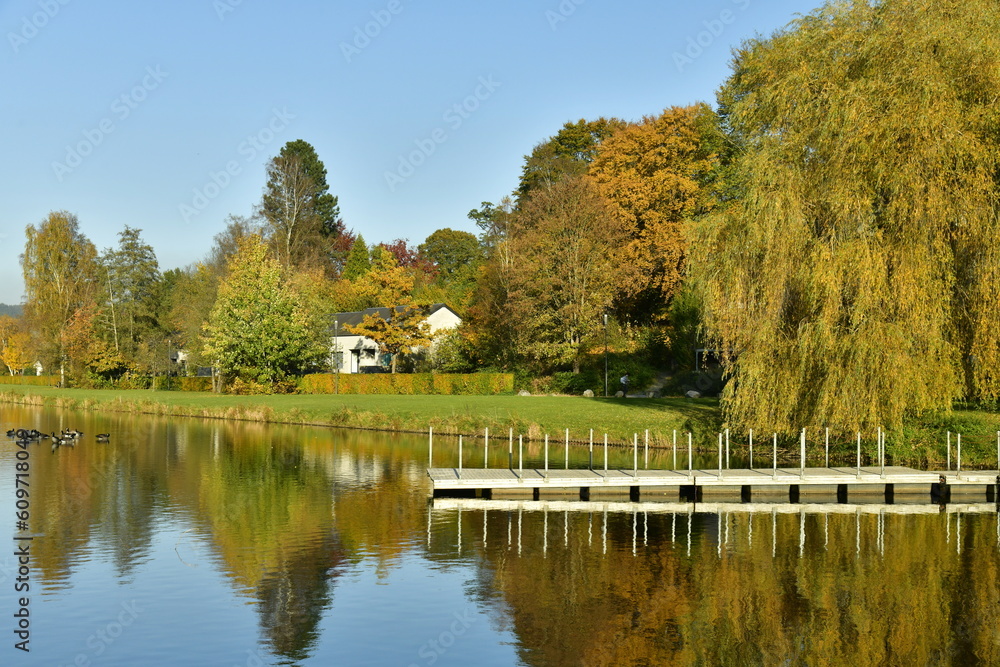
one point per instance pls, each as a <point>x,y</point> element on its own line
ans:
<point>354,319</point>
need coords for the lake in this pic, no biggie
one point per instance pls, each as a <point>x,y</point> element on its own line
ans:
<point>199,542</point>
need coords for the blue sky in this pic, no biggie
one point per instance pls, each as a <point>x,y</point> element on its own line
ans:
<point>162,116</point>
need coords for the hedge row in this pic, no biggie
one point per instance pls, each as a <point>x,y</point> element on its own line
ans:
<point>31,380</point>
<point>183,383</point>
<point>483,384</point>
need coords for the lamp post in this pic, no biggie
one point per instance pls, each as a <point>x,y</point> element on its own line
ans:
<point>336,355</point>
<point>605,355</point>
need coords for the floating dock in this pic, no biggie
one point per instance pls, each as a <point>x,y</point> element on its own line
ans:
<point>792,484</point>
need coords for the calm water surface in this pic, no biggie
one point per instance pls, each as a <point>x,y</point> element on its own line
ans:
<point>188,542</point>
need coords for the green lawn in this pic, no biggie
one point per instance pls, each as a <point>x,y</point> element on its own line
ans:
<point>530,415</point>
<point>921,444</point>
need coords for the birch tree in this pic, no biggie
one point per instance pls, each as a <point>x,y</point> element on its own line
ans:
<point>60,275</point>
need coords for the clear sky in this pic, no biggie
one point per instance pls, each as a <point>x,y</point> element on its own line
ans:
<point>162,116</point>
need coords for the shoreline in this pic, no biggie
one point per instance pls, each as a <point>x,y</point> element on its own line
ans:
<point>532,417</point>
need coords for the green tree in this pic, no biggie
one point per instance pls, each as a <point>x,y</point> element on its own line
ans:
<point>259,329</point>
<point>325,205</point>
<point>566,239</point>
<point>301,218</point>
<point>358,260</point>
<point>130,280</point>
<point>60,277</point>
<point>856,277</point>
<point>292,223</point>
<point>455,254</point>
<point>568,153</point>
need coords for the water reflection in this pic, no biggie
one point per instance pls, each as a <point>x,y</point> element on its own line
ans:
<point>291,518</point>
<point>620,583</point>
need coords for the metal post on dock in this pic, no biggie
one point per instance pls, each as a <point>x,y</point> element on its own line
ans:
<point>605,452</point>
<point>591,449</point>
<point>751,449</point>
<point>775,463</point>
<point>675,447</point>
<point>510,449</point>
<point>998,452</point>
<point>635,453</point>
<point>859,454</point>
<point>803,454</point>
<point>430,447</point>
<point>720,456</point>
<point>645,464</point>
<point>878,446</point>
<point>567,449</point>
<point>690,458</point>
<point>958,465</point>
<point>520,453</point>
<point>486,448</point>
<point>459,456</point>
<point>949,451</point>
<point>546,454</point>
<point>827,443</point>
<point>727,449</point>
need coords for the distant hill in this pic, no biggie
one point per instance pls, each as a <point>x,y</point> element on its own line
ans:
<point>13,311</point>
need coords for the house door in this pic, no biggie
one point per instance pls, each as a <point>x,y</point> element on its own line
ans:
<point>355,360</point>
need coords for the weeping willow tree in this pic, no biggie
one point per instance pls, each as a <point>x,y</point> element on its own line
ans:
<point>853,277</point>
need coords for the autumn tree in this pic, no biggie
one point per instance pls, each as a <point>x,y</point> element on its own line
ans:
<point>91,358</point>
<point>15,343</point>
<point>259,329</point>
<point>566,241</point>
<point>856,278</point>
<point>403,330</point>
<point>654,172</point>
<point>567,153</point>
<point>60,277</point>
<point>491,310</point>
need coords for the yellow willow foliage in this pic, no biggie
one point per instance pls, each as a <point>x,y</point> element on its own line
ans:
<point>854,277</point>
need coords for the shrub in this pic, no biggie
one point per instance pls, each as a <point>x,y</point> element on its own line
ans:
<point>31,380</point>
<point>410,384</point>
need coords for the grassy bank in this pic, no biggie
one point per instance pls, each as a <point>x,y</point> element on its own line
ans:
<point>532,416</point>
<point>922,443</point>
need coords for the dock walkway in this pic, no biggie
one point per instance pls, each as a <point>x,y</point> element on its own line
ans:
<point>691,484</point>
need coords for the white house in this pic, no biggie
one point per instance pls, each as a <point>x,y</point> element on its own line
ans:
<point>357,354</point>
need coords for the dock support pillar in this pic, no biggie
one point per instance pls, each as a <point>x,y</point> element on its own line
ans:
<point>746,493</point>
<point>793,493</point>
<point>842,494</point>
<point>584,493</point>
<point>941,492</point>
<point>633,494</point>
<point>890,494</point>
